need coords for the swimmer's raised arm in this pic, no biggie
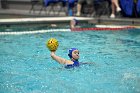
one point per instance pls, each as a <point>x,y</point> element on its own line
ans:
<point>60,59</point>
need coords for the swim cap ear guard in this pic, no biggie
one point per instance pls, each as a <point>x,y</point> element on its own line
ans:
<point>70,52</point>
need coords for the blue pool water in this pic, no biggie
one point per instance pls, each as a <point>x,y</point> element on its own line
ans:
<point>26,65</point>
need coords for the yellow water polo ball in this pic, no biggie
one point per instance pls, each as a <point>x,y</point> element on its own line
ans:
<point>52,44</point>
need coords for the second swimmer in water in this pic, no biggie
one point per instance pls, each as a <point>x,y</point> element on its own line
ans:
<point>73,62</point>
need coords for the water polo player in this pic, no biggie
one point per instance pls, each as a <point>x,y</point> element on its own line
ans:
<point>73,54</point>
<point>73,62</point>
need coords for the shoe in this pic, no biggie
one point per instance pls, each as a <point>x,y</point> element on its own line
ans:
<point>118,9</point>
<point>78,14</point>
<point>112,16</point>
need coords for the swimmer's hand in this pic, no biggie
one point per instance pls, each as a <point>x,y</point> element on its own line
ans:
<point>52,54</point>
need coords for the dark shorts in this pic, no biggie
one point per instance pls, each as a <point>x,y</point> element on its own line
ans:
<point>90,2</point>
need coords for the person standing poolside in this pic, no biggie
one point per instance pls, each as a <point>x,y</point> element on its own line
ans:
<point>115,7</point>
<point>73,55</point>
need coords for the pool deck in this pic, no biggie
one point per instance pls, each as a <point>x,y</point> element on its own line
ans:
<point>13,16</point>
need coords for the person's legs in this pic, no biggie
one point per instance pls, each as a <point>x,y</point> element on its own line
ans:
<point>79,6</point>
<point>116,3</point>
<point>113,10</point>
<point>115,6</point>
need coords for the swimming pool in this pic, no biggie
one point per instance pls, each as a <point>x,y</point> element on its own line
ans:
<point>26,65</point>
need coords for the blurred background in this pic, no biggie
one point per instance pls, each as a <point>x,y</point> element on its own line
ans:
<point>60,8</point>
